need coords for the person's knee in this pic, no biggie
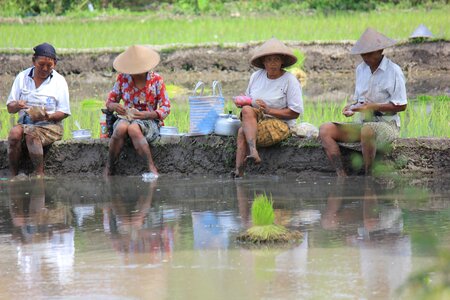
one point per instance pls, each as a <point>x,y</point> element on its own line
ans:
<point>134,131</point>
<point>120,131</point>
<point>326,130</point>
<point>247,112</point>
<point>15,135</point>
<point>367,133</point>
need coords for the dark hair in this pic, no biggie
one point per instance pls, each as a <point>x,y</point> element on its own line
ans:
<point>46,50</point>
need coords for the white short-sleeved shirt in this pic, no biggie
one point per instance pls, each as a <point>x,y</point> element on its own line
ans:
<point>386,84</point>
<point>53,93</point>
<point>283,92</point>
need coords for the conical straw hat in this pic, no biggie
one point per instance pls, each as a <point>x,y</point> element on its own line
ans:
<point>421,31</point>
<point>271,47</point>
<point>371,41</point>
<point>136,59</point>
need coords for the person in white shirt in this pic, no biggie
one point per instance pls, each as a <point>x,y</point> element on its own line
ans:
<point>276,103</point>
<point>40,96</point>
<point>380,93</point>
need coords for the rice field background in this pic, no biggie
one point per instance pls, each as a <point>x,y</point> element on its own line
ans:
<point>69,34</point>
<point>425,116</point>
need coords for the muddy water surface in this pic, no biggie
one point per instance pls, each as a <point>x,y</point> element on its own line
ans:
<point>81,238</point>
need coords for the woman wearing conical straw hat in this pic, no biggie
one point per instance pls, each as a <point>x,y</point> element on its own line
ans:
<point>380,93</point>
<point>145,104</point>
<point>276,103</point>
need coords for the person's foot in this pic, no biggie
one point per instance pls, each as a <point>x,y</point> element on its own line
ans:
<point>154,170</point>
<point>19,177</point>
<point>107,172</point>
<point>235,175</point>
<point>253,158</point>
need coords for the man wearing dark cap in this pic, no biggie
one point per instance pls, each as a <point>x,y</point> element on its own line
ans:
<point>40,96</point>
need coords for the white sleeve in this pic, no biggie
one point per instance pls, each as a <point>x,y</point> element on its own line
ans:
<point>398,93</point>
<point>63,101</point>
<point>14,95</point>
<point>294,95</point>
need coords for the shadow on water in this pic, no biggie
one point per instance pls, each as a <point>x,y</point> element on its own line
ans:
<point>174,238</point>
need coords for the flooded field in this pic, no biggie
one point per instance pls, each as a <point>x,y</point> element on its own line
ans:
<point>175,238</point>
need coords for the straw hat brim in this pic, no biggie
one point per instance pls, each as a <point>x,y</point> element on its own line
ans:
<point>273,47</point>
<point>371,41</point>
<point>136,59</point>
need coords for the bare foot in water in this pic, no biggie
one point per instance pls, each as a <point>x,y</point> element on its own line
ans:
<point>253,158</point>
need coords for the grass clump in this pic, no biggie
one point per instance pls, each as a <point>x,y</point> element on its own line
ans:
<point>264,230</point>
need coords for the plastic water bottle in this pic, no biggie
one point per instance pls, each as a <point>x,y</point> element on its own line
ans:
<point>147,177</point>
<point>103,127</point>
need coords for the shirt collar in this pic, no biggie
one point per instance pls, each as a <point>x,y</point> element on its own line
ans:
<point>31,74</point>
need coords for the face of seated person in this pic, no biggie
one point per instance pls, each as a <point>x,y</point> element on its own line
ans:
<point>272,64</point>
<point>373,59</point>
<point>43,66</point>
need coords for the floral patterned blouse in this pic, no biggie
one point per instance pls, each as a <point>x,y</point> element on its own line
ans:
<point>152,97</point>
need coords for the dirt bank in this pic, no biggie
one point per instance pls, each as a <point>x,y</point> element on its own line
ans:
<point>215,155</point>
<point>329,68</point>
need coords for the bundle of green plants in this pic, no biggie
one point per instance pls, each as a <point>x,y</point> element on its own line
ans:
<point>264,230</point>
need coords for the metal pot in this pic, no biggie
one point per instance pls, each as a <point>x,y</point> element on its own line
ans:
<point>227,124</point>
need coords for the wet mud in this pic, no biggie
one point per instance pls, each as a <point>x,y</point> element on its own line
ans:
<point>187,155</point>
<point>329,69</point>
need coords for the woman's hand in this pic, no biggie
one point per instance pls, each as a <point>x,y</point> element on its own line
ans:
<point>262,105</point>
<point>145,115</point>
<point>117,107</point>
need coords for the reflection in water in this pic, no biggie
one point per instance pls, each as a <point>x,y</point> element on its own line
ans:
<point>175,238</point>
<point>136,230</point>
<point>384,250</point>
<point>42,231</point>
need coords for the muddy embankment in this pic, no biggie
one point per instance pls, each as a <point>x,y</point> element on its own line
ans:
<point>329,68</point>
<point>214,155</point>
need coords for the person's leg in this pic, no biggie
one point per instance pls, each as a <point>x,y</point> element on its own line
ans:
<point>115,146</point>
<point>241,153</point>
<point>36,152</point>
<point>369,148</point>
<point>249,127</point>
<point>15,149</point>
<point>141,145</point>
<point>330,134</point>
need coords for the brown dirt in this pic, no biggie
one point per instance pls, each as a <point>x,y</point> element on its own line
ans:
<point>329,69</point>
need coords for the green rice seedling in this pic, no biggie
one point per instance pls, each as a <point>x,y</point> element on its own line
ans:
<point>262,210</point>
<point>264,230</point>
<point>75,33</point>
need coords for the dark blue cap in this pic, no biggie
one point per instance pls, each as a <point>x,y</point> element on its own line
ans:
<point>46,50</point>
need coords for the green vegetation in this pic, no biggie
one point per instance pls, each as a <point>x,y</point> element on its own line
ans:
<point>189,7</point>
<point>75,33</point>
<point>264,230</point>
<point>425,116</point>
<point>262,210</point>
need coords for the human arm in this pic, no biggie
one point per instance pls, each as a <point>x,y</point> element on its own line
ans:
<point>283,113</point>
<point>15,106</point>
<point>114,96</point>
<point>381,107</point>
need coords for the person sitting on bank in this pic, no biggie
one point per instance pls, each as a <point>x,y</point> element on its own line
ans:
<point>145,104</point>
<point>40,96</point>
<point>276,103</point>
<point>380,93</point>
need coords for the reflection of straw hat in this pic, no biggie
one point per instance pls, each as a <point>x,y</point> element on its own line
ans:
<point>271,47</point>
<point>421,31</point>
<point>136,60</point>
<point>371,41</point>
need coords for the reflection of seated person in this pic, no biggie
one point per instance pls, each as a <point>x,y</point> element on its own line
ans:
<point>385,252</point>
<point>132,229</point>
<point>37,221</point>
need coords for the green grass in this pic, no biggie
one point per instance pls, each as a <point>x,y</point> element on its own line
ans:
<point>147,29</point>
<point>426,116</point>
